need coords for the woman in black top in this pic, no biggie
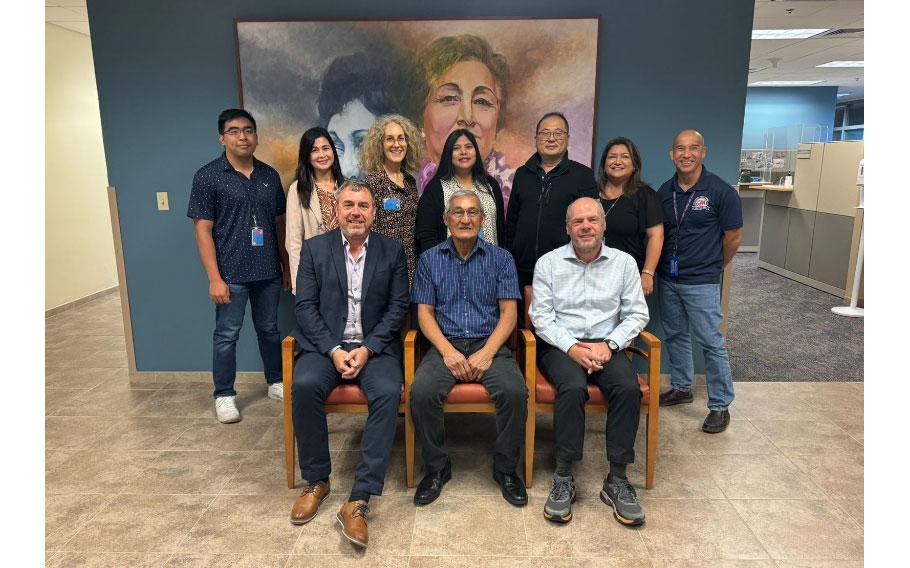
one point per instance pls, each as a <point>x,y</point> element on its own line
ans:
<point>635,220</point>
<point>460,167</point>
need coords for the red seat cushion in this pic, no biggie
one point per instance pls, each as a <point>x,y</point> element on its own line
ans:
<point>468,393</point>
<point>546,392</point>
<point>348,393</point>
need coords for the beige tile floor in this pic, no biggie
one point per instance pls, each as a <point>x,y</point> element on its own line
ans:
<point>143,475</point>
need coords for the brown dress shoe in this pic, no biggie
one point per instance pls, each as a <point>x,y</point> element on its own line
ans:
<point>306,506</point>
<point>353,520</point>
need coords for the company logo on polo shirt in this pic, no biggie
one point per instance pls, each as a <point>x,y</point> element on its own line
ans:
<point>701,204</point>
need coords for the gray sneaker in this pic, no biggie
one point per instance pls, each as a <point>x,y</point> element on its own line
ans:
<point>620,494</point>
<point>559,503</point>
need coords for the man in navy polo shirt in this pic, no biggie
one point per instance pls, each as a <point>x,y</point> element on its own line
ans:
<point>703,229</point>
<point>237,205</point>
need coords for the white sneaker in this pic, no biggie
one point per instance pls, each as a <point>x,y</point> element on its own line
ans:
<point>276,391</point>
<point>226,409</point>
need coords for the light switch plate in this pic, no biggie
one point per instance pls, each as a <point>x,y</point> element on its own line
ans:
<point>162,201</point>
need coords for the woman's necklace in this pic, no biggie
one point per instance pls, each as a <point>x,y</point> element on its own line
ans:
<point>615,201</point>
<point>326,186</point>
<point>397,178</point>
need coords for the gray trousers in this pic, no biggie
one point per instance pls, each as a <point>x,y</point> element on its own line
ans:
<point>506,387</point>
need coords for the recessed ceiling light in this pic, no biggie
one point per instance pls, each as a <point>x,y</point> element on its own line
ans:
<point>842,64</point>
<point>786,34</point>
<point>783,83</point>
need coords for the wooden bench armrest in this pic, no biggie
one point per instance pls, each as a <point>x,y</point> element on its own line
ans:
<point>410,361</point>
<point>527,349</point>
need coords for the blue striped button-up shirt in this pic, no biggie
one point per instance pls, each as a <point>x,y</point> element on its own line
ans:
<point>599,300</point>
<point>465,293</point>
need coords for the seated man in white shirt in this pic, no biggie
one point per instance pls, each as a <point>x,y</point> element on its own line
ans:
<point>587,307</point>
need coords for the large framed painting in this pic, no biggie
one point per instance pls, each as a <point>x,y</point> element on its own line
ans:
<point>493,76</point>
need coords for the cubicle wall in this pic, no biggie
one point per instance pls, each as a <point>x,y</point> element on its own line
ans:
<point>809,234</point>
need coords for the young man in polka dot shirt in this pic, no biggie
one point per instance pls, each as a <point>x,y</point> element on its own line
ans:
<point>237,205</point>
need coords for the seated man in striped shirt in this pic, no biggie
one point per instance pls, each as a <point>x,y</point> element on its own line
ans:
<point>587,306</point>
<point>466,291</point>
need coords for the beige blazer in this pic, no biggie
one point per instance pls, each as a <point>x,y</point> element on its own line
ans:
<point>301,224</point>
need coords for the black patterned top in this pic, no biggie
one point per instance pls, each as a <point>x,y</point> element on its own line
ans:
<point>396,212</point>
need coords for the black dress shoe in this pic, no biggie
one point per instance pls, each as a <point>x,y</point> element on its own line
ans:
<point>431,485</point>
<point>673,396</point>
<point>717,421</point>
<point>513,488</point>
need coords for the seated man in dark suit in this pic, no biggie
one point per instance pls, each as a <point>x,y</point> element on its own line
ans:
<point>352,297</point>
<point>466,291</point>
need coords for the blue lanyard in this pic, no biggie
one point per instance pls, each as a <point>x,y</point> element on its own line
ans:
<point>679,219</point>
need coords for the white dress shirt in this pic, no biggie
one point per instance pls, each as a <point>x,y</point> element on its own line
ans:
<point>353,329</point>
<point>599,300</point>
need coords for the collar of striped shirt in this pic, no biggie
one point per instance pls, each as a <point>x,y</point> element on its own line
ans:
<point>479,245</point>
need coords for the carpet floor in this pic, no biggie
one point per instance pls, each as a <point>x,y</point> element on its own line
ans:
<point>781,330</point>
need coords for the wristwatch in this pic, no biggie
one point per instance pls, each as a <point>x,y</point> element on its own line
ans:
<point>614,347</point>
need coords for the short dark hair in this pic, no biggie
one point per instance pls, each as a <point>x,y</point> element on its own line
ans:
<point>548,115</point>
<point>355,184</point>
<point>366,77</point>
<point>231,114</point>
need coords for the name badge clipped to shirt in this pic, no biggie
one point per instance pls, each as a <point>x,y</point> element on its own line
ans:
<point>674,266</point>
<point>391,204</point>
<point>257,237</point>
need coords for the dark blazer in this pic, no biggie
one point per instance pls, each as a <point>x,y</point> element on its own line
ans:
<point>430,229</point>
<point>322,294</point>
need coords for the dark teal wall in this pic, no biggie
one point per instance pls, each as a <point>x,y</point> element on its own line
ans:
<point>166,68</point>
<point>771,107</point>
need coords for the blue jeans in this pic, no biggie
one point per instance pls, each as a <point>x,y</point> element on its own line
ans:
<point>263,296</point>
<point>698,305</point>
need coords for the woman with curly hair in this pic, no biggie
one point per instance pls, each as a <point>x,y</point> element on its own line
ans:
<point>390,151</point>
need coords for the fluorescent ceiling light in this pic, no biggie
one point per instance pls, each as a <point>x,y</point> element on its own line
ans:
<point>844,94</point>
<point>786,34</point>
<point>783,83</point>
<point>756,69</point>
<point>843,64</point>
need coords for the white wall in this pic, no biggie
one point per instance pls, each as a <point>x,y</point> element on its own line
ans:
<point>79,250</point>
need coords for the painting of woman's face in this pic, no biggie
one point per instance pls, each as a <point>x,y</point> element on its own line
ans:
<point>465,96</point>
<point>348,129</point>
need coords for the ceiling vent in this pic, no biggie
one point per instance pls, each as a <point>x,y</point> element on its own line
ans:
<point>841,32</point>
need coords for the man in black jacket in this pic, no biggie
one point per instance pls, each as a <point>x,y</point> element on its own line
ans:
<point>542,190</point>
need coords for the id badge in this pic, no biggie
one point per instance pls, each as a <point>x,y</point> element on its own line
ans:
<point>258,237</point>
<point>674,266</point>
<point>391,204</point>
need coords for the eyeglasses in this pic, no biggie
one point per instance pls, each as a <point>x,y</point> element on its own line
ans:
<point>471,213</point>
<point>391,139</point>
<point>249,131</point>
<point>546,134</point>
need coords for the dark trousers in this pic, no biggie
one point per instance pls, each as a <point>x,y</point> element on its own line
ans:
<point>618,381</point>
<point>506,387</point>
<point>314,378</point>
